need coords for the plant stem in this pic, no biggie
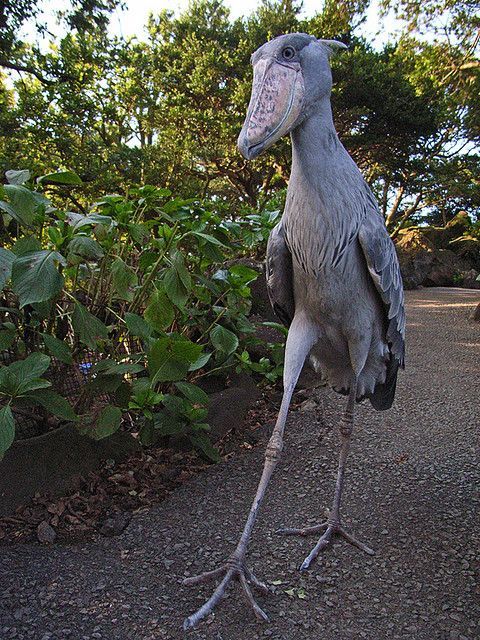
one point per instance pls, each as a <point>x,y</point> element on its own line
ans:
<point>137,300</point>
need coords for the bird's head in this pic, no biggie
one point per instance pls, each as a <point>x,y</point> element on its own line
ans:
<point>290,74</point>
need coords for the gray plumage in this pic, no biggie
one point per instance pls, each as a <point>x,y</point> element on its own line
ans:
<point>332,274</point>
<point>331,261</point>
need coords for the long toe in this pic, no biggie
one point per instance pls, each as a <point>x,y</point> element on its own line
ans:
<point>305,531</point>
<point>355,542</point>
<point>323,542</point>
<point>232,570</point>
<point>328,529</point>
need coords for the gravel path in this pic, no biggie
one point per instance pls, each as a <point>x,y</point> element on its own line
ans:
<point>410,493</point>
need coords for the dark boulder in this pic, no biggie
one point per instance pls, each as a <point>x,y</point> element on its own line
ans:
<point>415,254</point>
<point>424,264</point>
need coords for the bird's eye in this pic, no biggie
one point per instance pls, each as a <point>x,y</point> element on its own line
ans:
<point>288,53</point>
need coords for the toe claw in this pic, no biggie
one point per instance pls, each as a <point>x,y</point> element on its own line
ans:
<point>261,586</point>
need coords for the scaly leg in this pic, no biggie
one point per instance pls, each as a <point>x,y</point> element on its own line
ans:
<point>333,525</point>
<point>301,337</point>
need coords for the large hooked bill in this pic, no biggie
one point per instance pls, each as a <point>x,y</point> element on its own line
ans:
<point>277,96</point>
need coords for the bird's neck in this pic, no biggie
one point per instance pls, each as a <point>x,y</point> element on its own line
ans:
<point>323,208</point>
<point>316,150</point>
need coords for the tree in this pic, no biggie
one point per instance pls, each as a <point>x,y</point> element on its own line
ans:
<point>167,111</point>
<point>15,54</point>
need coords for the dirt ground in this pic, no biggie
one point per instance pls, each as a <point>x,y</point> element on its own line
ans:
<point>411,492</point>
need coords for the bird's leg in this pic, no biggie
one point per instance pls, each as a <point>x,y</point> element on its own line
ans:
<point>333,524</point>
<point>299,341</point>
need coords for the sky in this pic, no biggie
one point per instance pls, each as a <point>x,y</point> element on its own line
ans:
<point>131,21</point>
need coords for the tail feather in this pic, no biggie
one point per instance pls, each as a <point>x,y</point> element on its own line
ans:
<point>384,394</point>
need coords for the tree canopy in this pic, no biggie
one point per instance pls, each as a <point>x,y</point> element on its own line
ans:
<point>166,110</point>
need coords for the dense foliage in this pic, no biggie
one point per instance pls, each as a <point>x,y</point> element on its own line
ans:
<point>132,301</point>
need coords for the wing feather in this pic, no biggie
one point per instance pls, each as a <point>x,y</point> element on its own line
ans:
<point>382,263</point>
<point>279,272</point>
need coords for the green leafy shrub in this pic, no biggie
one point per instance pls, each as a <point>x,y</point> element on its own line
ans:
<point>137,283</point>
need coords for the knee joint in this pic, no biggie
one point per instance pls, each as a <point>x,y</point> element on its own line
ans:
<point>346,424</point>
<point>274,449</point>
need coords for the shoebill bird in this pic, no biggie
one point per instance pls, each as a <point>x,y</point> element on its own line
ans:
<point>332,273</point>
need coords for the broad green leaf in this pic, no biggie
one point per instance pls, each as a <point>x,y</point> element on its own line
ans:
<point>224,340</point>
<point>60,177</point>
<point>166,424</point>
<point>33,366</point>
<point>195,414</point>
<point>43,309</point>
<point>7,429</point>
<point>122,395</point>
<point>8,382</point>
<point>241,274</point>
<point>200,362</point>
<point>192,392</point>
<point>6,207</point>
<point>87,327</point>
<point>182,271</point>
<point>202,442</point>
<point>58,348</point>
<point>6,261</point>
<point>124,279</point>
<point>26,244</point>
<point>105,383</point>
<point>137,326</point>
<point>170,358</point>
<point>139,233</point>
<point>276,325</point>
<point>32,384</point>
<point>78,220</point>
<point>147,259</point>
<point>177,405</point>
<point>35,276</point>
<point>17,177</point>
<point>122,368</point>
<point>107,422</point>
<point>85,247</point>
<point>208,238</point>
<point>24,203</point>
<point>175,288</point>
<point>148,436</point>
<point>159,313</point>
<point>54,403</point>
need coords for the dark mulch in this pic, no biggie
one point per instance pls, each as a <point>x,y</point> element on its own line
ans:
<point>103,502</point>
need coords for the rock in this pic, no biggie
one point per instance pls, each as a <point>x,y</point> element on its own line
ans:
<point>51,462</point>
<point>46,533</point>
<point>441,237</point>
<point>476,313</point>
<point>471,279</point>
<point>468,248</point>
<point>415,254</point>
<point>116,524</point>
<point>422,263</point>
<point>228,408</point>
<point>445,269</point>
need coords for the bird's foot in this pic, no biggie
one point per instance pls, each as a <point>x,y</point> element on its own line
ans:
<point>234,569</point>
<point>330,528</point>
